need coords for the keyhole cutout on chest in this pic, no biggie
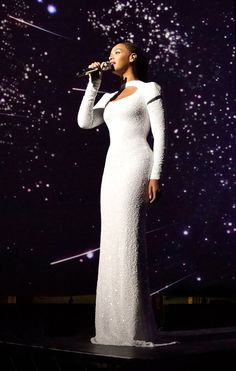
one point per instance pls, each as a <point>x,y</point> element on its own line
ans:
<point>124,93</point>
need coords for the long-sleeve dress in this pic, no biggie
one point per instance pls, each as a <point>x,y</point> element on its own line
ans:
<point>124,313</point>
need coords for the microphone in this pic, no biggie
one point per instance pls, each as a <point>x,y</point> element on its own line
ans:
<point>104,66</point>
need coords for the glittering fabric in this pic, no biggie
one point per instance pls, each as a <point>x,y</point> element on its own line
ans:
<point>124,313</point>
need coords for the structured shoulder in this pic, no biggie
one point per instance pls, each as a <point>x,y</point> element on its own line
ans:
<point>152,91</point>
<point>152,86</point>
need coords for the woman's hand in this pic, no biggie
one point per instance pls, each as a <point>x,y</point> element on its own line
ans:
<point>153,187</point>
<point>96,75</point>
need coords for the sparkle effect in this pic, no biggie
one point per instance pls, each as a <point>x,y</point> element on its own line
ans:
<point>51,170</point>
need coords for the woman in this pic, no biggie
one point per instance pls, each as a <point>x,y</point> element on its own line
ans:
<point>130,179</point>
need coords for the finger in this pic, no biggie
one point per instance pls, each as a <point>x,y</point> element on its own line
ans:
<point>94,65</point>
<point>102,65</point>
<point>150,194</point>
<point>152,199</point>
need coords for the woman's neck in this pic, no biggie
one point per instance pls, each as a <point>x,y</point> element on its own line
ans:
<point>125,78</point>
<point>129,77</point>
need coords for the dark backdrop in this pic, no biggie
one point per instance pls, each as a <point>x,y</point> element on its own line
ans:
<point>51,169</point>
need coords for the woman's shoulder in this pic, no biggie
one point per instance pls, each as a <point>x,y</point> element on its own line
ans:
<point>152,85</point>
<point>151,90</point>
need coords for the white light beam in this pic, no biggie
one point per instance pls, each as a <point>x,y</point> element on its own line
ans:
<point>172,284</point>
<point>99,91</point>
<point>158,229</point>
<point>85,253</point>
<point>15,115</point>
<point>39,28</point>
<point>73,257</point>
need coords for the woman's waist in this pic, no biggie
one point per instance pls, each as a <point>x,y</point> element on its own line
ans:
<point>130,148</point>
<point>129,158</point>
<point>128,143</point>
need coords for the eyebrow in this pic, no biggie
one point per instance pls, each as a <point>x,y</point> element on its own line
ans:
<point>116,50</point>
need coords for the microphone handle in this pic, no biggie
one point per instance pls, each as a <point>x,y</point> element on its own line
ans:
<point>106,67</point>
<point>86,72</point>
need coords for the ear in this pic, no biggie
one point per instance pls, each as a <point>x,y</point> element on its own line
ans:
<point>132,57</point>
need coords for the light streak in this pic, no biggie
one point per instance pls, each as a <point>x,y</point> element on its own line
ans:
<point>39,28</point>
<point>74,256</point>
<point>14,115</point>
<point>99,91</point>
<point>172,284</point>
<point>154,230</point>
<point>158,229</point>
<point>90,251</point>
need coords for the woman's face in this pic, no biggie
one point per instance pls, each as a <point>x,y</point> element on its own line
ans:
<point>121,58</point>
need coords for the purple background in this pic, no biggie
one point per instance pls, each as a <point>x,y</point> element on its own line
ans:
<point>51,169</point>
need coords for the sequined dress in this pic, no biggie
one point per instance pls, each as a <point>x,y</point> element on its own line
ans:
<point>124,314</point>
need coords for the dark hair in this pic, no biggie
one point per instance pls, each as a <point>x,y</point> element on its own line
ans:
<point>140,63</point>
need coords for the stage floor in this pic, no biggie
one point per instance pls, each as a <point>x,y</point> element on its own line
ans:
<point>195,348</point>
<point>57,337</point>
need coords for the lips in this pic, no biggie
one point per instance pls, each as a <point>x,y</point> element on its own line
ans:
<point>113,65</point>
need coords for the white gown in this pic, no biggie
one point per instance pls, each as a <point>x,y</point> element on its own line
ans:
<point>123,305</point>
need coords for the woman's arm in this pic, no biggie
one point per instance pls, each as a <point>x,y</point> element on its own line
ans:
<point>90,115</point>
<point>157,122</point>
